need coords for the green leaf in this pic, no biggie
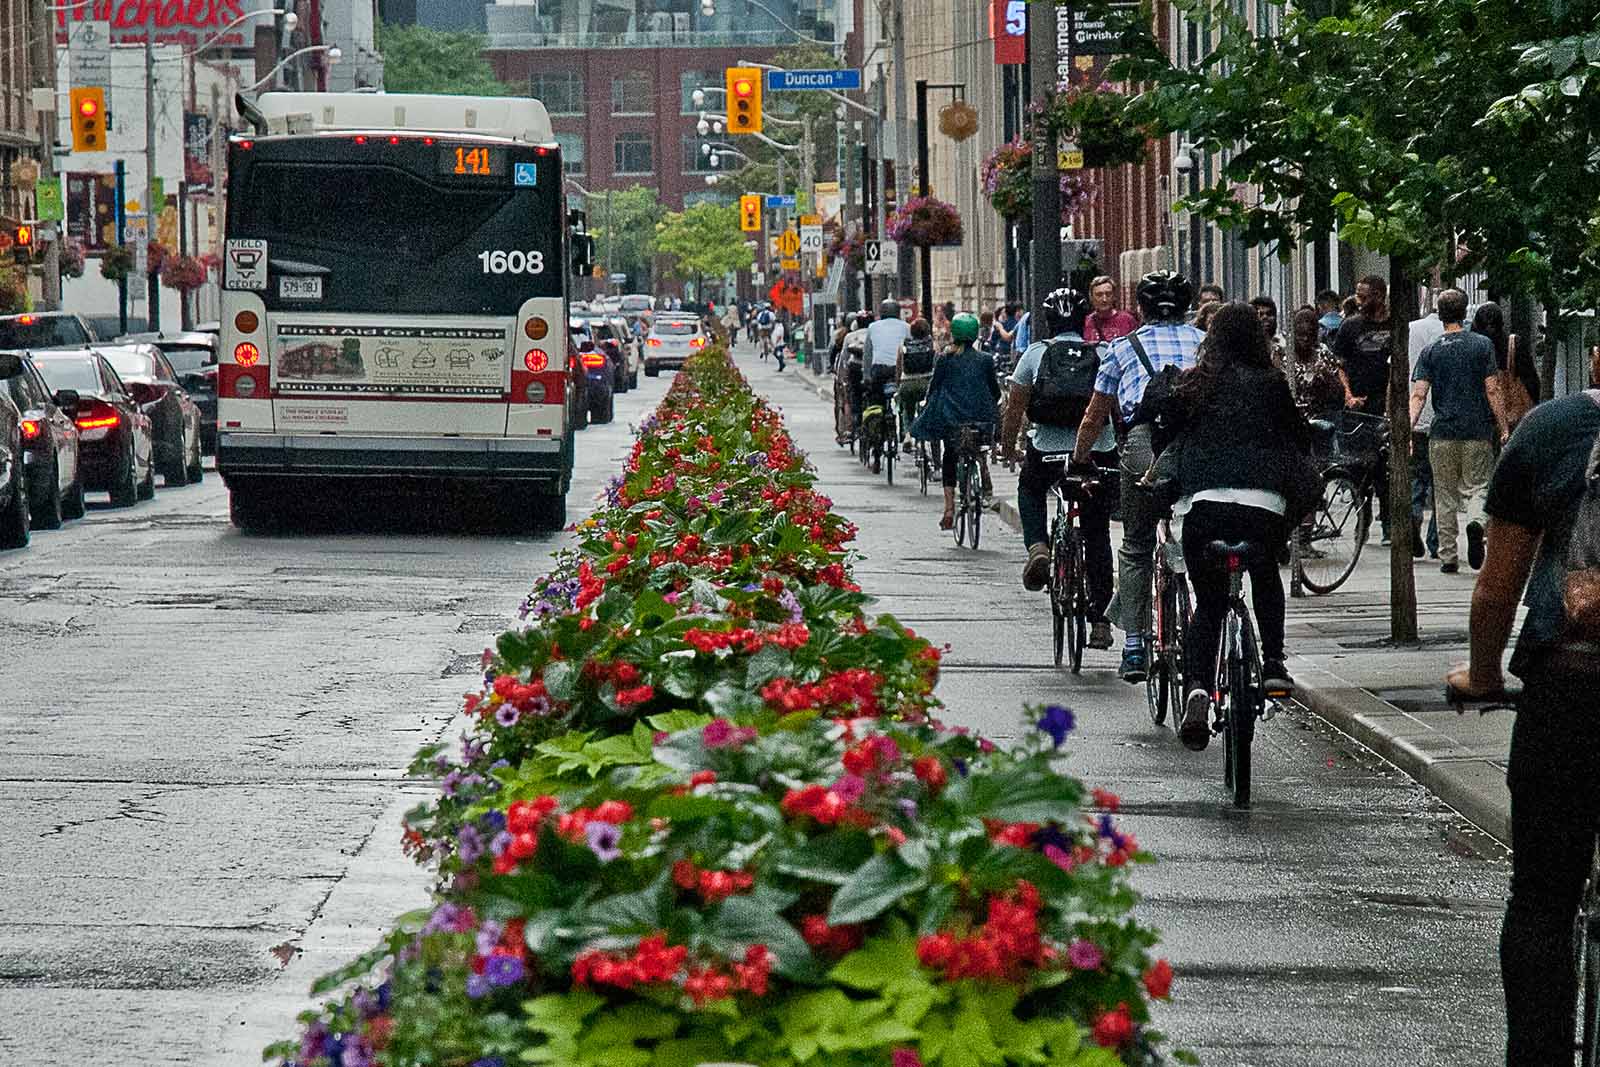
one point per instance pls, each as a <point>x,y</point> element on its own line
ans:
<point>1026,792</point>
<point>559,1017</point>
<point>876,887</point>
<point>833,858</point>
<point>770,662</point>
<point>561,679</point>
<point>879,963</point>
<point>671,722</point>
<point>755,919</point>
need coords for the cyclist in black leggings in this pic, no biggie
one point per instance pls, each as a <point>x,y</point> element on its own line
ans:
<point>1237,432</point>
<point>964,391</point>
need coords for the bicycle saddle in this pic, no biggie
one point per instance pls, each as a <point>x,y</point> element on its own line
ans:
<point>1246,551</point>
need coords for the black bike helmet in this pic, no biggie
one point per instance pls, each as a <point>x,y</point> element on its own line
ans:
<point>889,309</point>
<point>1064,311</point>
<point>1164,296</point>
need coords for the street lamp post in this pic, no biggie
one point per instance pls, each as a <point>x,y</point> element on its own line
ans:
<point>333,51</point>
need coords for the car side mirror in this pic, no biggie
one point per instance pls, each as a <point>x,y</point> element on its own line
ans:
<point>66,400</point>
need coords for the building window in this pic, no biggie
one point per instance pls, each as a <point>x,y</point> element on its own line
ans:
<point>635,154</point>
<point>696,161</point>
<point>632,94</point>
<point>571,152</point>
<point>688,82</point>
<point>560,91</point>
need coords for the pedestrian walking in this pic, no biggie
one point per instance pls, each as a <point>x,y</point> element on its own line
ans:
<point>1107,322</point>
<point>1458,369</point>
<point>1363,347</point>
<point>1519,374</point>
<point>1266,310</point>
<point>779,338</point>
<point>1329,317</point>
<point>1316,385</point>
<point>1423,332</point>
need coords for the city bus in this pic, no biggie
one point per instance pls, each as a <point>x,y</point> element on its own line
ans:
<point>394,302</point>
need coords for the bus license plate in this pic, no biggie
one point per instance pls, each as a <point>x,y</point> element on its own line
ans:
<point>299,288</point>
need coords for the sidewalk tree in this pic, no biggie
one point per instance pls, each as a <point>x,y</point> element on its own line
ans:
<point>705,240</point>
<point>625,231</point>
<point>417,59</point>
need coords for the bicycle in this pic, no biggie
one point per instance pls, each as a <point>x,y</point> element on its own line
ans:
<point>1169,618</point>
<point>1068,580</point>
<point>1352,448</point>
<point>971,439</point>
<point>1238,696</point>
<point>889,439</point>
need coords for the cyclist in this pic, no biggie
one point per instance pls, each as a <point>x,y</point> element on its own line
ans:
<point>884,338</point>
<point>851,369</point>
<point>765,320</point>
<point>964,391</point>
<point>1554,775</point>
<point>1237,431</point>
<point>1127,367</point>
<point>1052,383</point>
<point>913,372</point>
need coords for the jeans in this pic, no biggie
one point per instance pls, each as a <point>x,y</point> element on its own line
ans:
<point>1208,522</point>
<point>1554,779</point>
<point>1422,490</point>
<point>1094,521</point>
<point>1139,518</point>
<point>1461,471</point>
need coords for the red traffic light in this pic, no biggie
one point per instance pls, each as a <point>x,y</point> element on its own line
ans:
<point>24,236</point>
<point>743,87</point>
<point>88,107</point>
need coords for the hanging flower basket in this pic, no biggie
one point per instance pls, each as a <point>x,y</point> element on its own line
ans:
<point>156,257</point>
<point>1008,182</point>
<point>924,222</point>
<point>851,248</point>
<point>1100,121</point>
<point>72,258</point>
<point>183,273</point>
<point>116,263</point>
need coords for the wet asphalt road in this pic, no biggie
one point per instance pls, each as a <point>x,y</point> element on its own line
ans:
<point>201,737</point>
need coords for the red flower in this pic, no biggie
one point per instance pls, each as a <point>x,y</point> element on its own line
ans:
<point>1114,1028</point>
<point>1158,980</point>
<point>615,812</point>
<point>930,772</point>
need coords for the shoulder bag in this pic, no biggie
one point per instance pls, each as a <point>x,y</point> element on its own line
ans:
<point>1514,396</point>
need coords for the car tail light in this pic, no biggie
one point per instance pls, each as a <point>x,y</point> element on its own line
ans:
<point>594,359</point>
<point>31,429</point>
<point>535,329</point>
<point>246,354</point>
<point>96,419</point>
<point>697,342</point>
<point>246,322</point>
<point>655,342</point>
<point>26,320</point>
<point>536,360</point>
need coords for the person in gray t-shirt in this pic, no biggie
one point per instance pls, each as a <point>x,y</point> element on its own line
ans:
<point>1459,371</point>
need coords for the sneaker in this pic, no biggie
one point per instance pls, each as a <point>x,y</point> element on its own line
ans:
<point>1449,568</point>
<point>1100,635</point>
<point>1195,729</point>
<point>1475,545</point>
<point>1275,680</point>
<point>1036,572</point>
<point>1133,668</point>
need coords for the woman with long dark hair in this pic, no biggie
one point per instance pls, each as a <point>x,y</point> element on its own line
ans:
<point>1238,434</point>
<point>1490,321</point>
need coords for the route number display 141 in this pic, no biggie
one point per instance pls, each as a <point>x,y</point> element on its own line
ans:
<point>513,262</point>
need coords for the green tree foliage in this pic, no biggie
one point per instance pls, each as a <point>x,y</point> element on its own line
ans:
<point>417,59</point>
<point>630,222</point>
<point>705,240</point>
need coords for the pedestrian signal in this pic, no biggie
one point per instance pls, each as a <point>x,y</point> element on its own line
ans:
<point>22,243</point>
<point>750,212</point>
<point>744,99</point>
<point>88,119</point>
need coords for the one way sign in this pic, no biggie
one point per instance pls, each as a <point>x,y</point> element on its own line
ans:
<point>882,257</point>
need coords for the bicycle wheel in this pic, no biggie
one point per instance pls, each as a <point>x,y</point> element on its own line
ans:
<point>1060,582</point>
<point>1331,548</point>
<point>1077,600</point>
<point>924,467</point>
<point>1158,680</point>
<point>974,502</point>
<point>890,450</point>
<point>1178,681</point>
<point>1586,945</point>
<point>963,485</point>
<point>1243,704</point>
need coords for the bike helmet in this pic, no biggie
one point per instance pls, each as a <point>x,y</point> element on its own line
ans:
<point>889,309</point>
<point>964,328</point>
<point>863,320</point>
<point>1064,310</point>
<point>1164,296</point>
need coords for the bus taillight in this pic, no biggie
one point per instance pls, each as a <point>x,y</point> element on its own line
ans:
<point>536,360</point>
<point>246,322</point>
<point>535,329</point>
<point>246,354</point>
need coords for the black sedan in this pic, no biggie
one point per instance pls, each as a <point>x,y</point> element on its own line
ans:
<point>193,355</point>
<point>116,450</point>
<point>150,378</point>
<point>15,520</point>
<point>55,489</point>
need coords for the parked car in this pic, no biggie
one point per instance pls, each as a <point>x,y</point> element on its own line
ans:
<point>193,355</point>
<point>636,303</point>
<point>50,439</point>
<point>599,378</point>
<point>56,330</point>
<point>630,349</point>
<point>673,338</point>
<point>16,521</point>
<point>175,417</point>
<point>116,452</point>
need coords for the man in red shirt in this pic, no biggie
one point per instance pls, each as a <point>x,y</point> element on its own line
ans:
<point>1106,322</point>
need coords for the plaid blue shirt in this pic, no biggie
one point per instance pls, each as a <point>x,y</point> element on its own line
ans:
<point>1174,344</point>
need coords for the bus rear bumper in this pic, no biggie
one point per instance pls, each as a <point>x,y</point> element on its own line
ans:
<point>530,459</point>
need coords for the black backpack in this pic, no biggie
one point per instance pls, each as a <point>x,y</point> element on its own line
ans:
<point>1064,383</point>
<point>1158,405</point>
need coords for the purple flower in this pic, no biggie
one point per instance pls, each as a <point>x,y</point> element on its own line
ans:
<point>718,733</point>
<point>473,750</point>
<point>489,936</point>
<point>791,604</point>
<point>503,970</point>
<point>908,808</point>
<point>469,845</point>
<point>960,765</point>
<point>604,840</point>
<point>357,1054</point>
<point>450,783</point>
<point>507,715</point>
<point>1085,955</point>
<point>850,787</point>
<point>1057,722</point>
<point>500,842</point>
<point>477,985</point>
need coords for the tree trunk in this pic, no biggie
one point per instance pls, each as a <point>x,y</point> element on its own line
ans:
<point>1402,582</point>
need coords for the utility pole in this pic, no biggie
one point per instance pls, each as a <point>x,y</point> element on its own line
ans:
<point>847,172</point>
<point>902,164</point>
<point>1046,250</point>
<point>880,186</point>
<point>611,240</point>
<point>152,294</point>
<point>869,217</point>
<point>1402,581</point>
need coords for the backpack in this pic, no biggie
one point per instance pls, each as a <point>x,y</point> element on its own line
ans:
<point>918,357</point>
<point>1580,586</point>
<point>1156,405</point>
<point>765,318</point>
<point>1064,383</point>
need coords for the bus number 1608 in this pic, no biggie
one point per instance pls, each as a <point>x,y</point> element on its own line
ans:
<point>498,262</point>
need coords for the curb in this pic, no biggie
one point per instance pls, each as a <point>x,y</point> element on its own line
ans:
<point>1460,777</point>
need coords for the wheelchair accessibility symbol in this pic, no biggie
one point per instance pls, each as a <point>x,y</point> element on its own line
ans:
<point>526,174</point>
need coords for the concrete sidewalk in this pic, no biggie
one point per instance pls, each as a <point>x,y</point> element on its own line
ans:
<point>1390,698</point>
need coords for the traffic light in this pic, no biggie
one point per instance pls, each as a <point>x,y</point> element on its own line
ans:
<point>750,212</point>
<point>88,119</point>
<point>744,99</point>
<point>22,243</point>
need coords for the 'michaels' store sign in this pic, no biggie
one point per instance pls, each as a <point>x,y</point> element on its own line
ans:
<point>186,21</point>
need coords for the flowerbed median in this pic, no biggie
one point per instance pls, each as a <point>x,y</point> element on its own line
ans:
<point>707,813</point>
